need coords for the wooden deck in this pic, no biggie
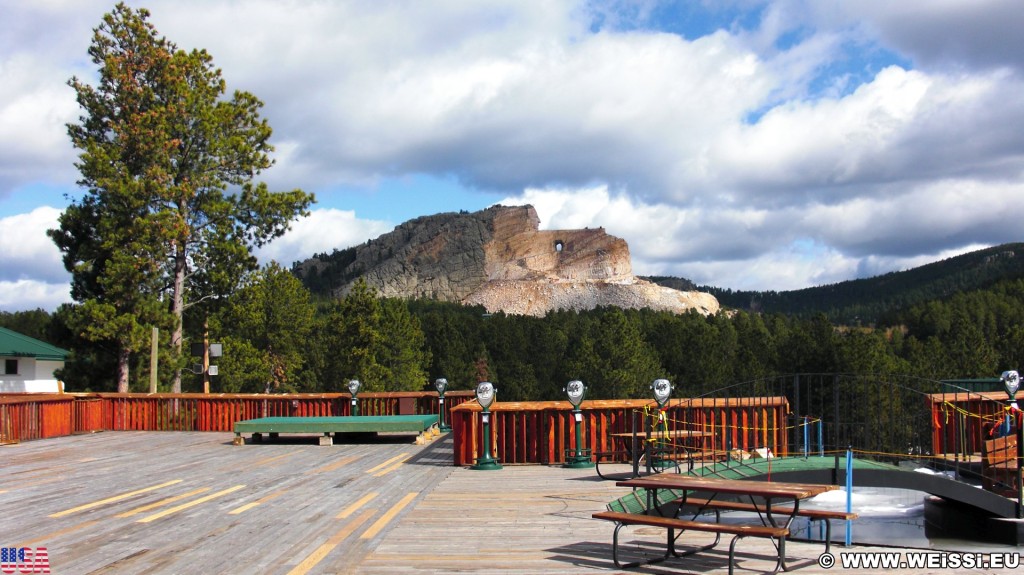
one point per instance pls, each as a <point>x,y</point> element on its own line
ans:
<point>190,502</point>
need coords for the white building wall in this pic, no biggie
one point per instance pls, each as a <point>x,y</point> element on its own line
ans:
<point>33,376</point>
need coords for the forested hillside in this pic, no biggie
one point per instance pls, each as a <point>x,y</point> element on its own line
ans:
<point>872,300</point>
<point>617,352</point>
<point>277,336</point>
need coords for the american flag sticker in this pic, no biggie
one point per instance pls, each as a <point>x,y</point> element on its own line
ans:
<point>24,560</point>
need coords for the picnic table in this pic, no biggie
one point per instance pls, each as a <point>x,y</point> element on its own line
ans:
<point>775,503</point>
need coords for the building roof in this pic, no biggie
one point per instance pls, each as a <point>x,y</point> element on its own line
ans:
<point>15,344</point>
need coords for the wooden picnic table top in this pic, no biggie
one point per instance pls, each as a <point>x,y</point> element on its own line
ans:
<point>766,489</point>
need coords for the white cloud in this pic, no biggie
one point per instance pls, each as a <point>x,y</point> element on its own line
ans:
<point>788,268</point>
<point>501,94</point>
<point>943,33</point>
<point>34,109</point>
<point>322,232</point>
<point>23,295</point>
<point>800,246</point>
<point>35,102</point>
<point>931,218</point>
<point>32,274</point>
<point>25,249</point>
<point>756,156</point>
<point>904,126</point>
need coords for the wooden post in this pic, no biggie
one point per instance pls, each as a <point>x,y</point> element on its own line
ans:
<point>154,359</point>
<point>206,356</point>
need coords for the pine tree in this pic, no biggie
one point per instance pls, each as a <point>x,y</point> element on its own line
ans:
<point>157,229</point>
<point>274,316</point>
<point>357,337</point>
<point>402,352</point>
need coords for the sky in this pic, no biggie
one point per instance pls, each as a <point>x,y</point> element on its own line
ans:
<point>743,144</point>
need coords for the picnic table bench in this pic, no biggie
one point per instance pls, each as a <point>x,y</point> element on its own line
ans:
<point>825,515</point>
<point>671,524</point>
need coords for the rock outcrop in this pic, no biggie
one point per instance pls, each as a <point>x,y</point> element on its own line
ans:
<point>498,258</point>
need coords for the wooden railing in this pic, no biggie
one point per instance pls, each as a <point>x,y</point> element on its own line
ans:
<point>528,432</point>
<point>541,432</point>
<point>961,421</point>
<point>36,416</point>
<point>24,417</point>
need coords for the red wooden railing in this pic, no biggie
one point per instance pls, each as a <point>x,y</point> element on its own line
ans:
<point>528,432</point>
<point>961,421</point>
<point>24,417</point>
<point>88,414</point>
<point>541,432</point>
<point>219,412</point>
<point>37,416</point>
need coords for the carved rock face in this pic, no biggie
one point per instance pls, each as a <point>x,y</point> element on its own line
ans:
<point>498,258</point>
<point>519,251</point>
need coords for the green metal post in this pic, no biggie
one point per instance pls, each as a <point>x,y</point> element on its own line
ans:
<point>579,460</point>
<point>441,384</point>
<point>485,395</point>
<point>486,462</point>
<point>443,425</point>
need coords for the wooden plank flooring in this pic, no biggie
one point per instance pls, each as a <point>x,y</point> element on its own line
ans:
<point>143,502</point>
<point>182,502</point>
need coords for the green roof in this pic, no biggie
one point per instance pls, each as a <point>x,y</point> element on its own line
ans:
<point>15,344</point>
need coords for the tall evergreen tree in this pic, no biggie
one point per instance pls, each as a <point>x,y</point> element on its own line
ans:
<point>403,351</point>
<point>157,228</point>
<point>354,336</point>
<point>445,333</point>
<point>809,347</point>
<point>273,313</point>
<point>379,342</point>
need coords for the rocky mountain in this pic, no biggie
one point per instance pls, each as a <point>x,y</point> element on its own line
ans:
<point>500,259</point>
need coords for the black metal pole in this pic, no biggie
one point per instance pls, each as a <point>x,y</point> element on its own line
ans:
<point>634,448</point>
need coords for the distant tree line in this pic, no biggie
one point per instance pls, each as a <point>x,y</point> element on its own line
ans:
<point>277,336</point>
<point>881,299</point>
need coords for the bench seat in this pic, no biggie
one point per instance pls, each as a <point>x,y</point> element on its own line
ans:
<point>672,524</point>
<point>826,515</point>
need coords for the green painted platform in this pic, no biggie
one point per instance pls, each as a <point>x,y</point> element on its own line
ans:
<point>761,468</point>
<point>330,425</point>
